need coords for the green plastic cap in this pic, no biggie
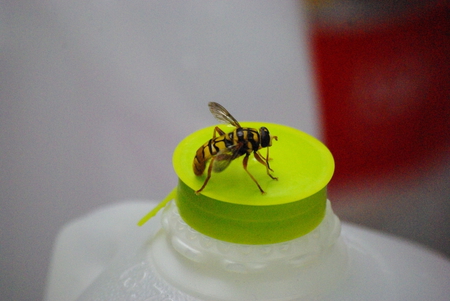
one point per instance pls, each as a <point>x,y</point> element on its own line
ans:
<point>231,207</point>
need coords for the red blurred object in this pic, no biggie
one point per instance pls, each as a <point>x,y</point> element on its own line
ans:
<point>384,89</point>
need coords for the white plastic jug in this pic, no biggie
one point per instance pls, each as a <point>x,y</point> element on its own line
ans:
<point>101,256</point>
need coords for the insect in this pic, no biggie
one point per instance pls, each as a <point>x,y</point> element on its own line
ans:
<point>225,147</point>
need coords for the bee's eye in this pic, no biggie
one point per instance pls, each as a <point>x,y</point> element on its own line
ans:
<point>265,136</point>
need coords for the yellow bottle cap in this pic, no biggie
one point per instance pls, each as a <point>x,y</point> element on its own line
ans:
<point>231,207</point>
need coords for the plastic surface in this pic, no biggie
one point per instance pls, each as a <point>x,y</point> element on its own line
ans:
<point>231,208</point>
<point>116,265</point>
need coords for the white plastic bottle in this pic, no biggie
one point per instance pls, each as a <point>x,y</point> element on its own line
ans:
<point>379,267</point>
<point>284,245</point>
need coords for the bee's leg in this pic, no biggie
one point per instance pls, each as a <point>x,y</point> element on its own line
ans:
<point>265,162</point>
<point>244,162</point>
<point>207,177</point>
<point>218,131</point>
<point>267,158</point>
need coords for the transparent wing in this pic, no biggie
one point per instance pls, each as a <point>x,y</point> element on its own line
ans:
<point>224,157</point>
<point>221,114</point>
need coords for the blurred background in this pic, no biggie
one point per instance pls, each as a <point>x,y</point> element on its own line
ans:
<point>95,95</point>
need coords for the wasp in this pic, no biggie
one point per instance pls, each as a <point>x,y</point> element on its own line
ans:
<point>225,147</point>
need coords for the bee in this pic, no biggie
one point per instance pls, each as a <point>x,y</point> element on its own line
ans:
<point>225,147</point>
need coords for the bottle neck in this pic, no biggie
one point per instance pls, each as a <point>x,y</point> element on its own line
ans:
<point>241,258</point>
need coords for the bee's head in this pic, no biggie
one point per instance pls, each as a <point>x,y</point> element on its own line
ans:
<point>266,139</point>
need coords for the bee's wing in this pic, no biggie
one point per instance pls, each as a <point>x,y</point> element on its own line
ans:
<point>221,114</point>
<point>224,157</point>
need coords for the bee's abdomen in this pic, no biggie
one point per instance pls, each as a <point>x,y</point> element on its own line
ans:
<point>201,156</point>
<point>206,151</point>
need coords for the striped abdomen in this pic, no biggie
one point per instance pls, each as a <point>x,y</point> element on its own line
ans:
<point>207,150</point>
